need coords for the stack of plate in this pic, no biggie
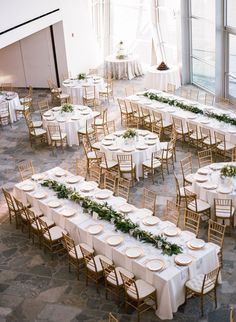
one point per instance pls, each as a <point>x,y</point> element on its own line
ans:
<point>155,265</point>
<point>151,220</point>
<point>201,178</point>
<point>38,176</point>
<point>54,204</point>
<point>68,212</point>
<point>172,231</point>
<point>195,244</point>
<point>114,240</point>
<point>203,171</point>
<point>183,259</point>
<point>27,187</point>
<point>134,252</point>
<point>40,194</point>
<point>95,229</point>
<point>103,194</point>
<point>73,179</point>
<point>126,208</point>
<point>87,187</point>
<point>60,172</point>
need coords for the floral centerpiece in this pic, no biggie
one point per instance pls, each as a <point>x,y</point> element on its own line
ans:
<point>130,134</point>
<point>81,76</point>
<point>67,108</point>
<point>228,171</point>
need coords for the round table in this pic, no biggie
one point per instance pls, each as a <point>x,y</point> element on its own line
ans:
<point>142,147</point>
<point>159,79</point>
<point>127,68</point>
<point>70,123</point>
<point>210,185</point>
<point>75,87</point>
<point>13,101</point>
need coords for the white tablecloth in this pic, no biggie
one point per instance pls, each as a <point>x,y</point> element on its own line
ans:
<point>128,68</point>
<point>159,79</point>
<point>169,283</point>
<point>168,111</point>
<point>13,101</point>
<point>75,87</point>
<point>222,190</point>
<point>138,155</point>
<point>67,123</point>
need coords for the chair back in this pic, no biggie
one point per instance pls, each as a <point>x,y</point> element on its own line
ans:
<point>209,99</point>
<point>113,319</point>
<point>125,161</point>
<point>95,173</point>
<point>70,246</point>
<point>192,128</point>
<point>10,201</point>
<point>110,181</point>
<point>109,271</point>
<point>231,314</point>
<point>44,229</point>
<point>178,123</point>
<point>223,208</point>
<point>7,87</point>
<point>43,107</point>
<point>122,105</point>
<point>26,170</point>
<point>123,188</point>
<point>205,158</point>
<point>172,212</point>
<point>186,166</point>
<point>171,88</point>
<point>194,94</point>
<point>89,92</point>
<point>206,134</point>
<point>191,221</point>
<point>177,185</point>
<point>190,199</point>
<point>130,286</point>
<point>216,233</point>
<point>88,259</point>
<point>210,280</point>
<point>111,126</point>
<point>32,218</point>
<point>54,131</point>
<point>4,110</point>
<point>149,200</point>
<point>220,138</point>
<point>135,107</point>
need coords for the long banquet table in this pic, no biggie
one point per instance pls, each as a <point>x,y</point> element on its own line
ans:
<point>168,112</point>
<point>169,282</point>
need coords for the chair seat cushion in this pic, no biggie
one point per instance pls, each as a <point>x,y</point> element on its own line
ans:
<point>182,193</point>
<point>148,163</point>
<point>56,137</point>
<point>144,289</point>
<point>26,100</point>
<point>38,132</point>
<point>207,141</point>
<point>224,212</point>
<point>98,121</point>
<point>56,90</point>
<point>201,205</point>
<point>195,284</point>
<point>48,221</point>
<point>98,264</point>
<point>227,146</point>
<point>181,130</point>
<point>78,251</point>
<point>166,124</point>
<point>196,136</point>
<point>56,233</point>
<point>21,108</point>
<point>189,177</point>
<point>96,145</point>
<point>37,123</point>
<point>111,277</point>
<point>63,95</point>
<point>83,131</point>
<point>91,155</point>
<point>89,97</point>
<point>36,211</point>
<point>110,164</point>
<point>127,167</point>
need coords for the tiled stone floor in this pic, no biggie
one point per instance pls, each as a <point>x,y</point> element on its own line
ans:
<point>36,287</point>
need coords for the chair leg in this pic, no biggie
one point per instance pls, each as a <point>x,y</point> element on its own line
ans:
<point>201,305</point>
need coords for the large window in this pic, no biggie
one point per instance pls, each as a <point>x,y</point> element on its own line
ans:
<point>203,43</point>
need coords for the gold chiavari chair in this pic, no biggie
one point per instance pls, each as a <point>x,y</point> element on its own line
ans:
<point>60,97</point>
<point>12,209</point>
<point>137,117</point>
<point>208,141</point>
<point>216,234</point>
<point>89,95</point>
<point>111,127</point>
<point>88,131</point>
<point>91,157</point>
<point>110,180</point>
<point>57,137</point>
<point>52,238</point>
<point>146,117</point>
<point>194,94</point>
<point>148,200</point>
<point>172,213</point>
<point>113,319</point>
<point>93,265</point>
<point>224,211</point>
<point>24,220</point>
<point>28,98</point>
<point>180,128</point>
<point>94,140</point>
<point>107,165</point>
<point>123,188</point>
<point>233,156</point>
<point>5,118</point>
<point>209,99</point>
<point>43,107</point>
<point>171,88</point>
<point>26,169</point>
<point>166,127</point>
<point>187,170</point>
<point>113,280</point>
<point>93,71</point>
<point>126,166</point>
<point>125,112</point>
<point>205,158</point>
<point>95,174</point>
<point>180,194</point>
<point>223,147</point>
<point>139,295</point>
<point>197,205</point>
<point>231,314</point>
<point>77,167</point>
<point>184,92</point>
<point>8,87</point>
<point>28,119</point>
<point>129,90</point>
<point>203,285</point>
<point>100,122</point>
<point>22,108</point>
<point>74,254</point>
<point>36,133</point>
<point>153,165</point>
<point>107,91</point>
<point>194,135</point>
<point>168,156</point>
<point>192,221</point>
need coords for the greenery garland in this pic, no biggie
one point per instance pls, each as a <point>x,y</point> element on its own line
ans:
<point>196,110</point>
<point>121,223</point>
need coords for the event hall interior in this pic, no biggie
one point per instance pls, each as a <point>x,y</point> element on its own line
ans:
<point>117,160</point>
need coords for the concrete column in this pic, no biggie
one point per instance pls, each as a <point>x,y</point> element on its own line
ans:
<point>185,41</point>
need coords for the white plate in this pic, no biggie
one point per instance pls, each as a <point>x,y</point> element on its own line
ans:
<point>128,149</point>
<point>107,143</point>
<point>126,208</point>
<point>155,265</point>
<point>134,252</point>
<point>224,190</point>
<point>151,142</point>
<point>87,187</point>
<point>113,148</point>
<point>103,195</point>
<point>38,176</point>
<point>56,108</point>
<point>205,121</point>
<point>143,132</point>
<point>109,137</point>
<point>172,231</point>
<point>60,173</point>
<point>85,112</point>
<point>141,147</point>
<point>73,179</point>
<point>95,229</point>
<point>40,194</point>
<point>183,259</point>
<point>114,240</point>
<point>216,166</point>
<point>75,118</point>
<point>50,118</point>
<point>191,117</point>
<point>209,186</point>
<point>151,220</point>
<point>27,187</point>
<point>200,178</point>
<point>196,243</point>
<point>119,133</point>
<point>135,98</point>
<point>152,136</point>
<point>68,212</point>
<point>54,204</point>
<point>232,131</point>
<point>47,114</point>
<point>203,171</point>
<point>61,119</point>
